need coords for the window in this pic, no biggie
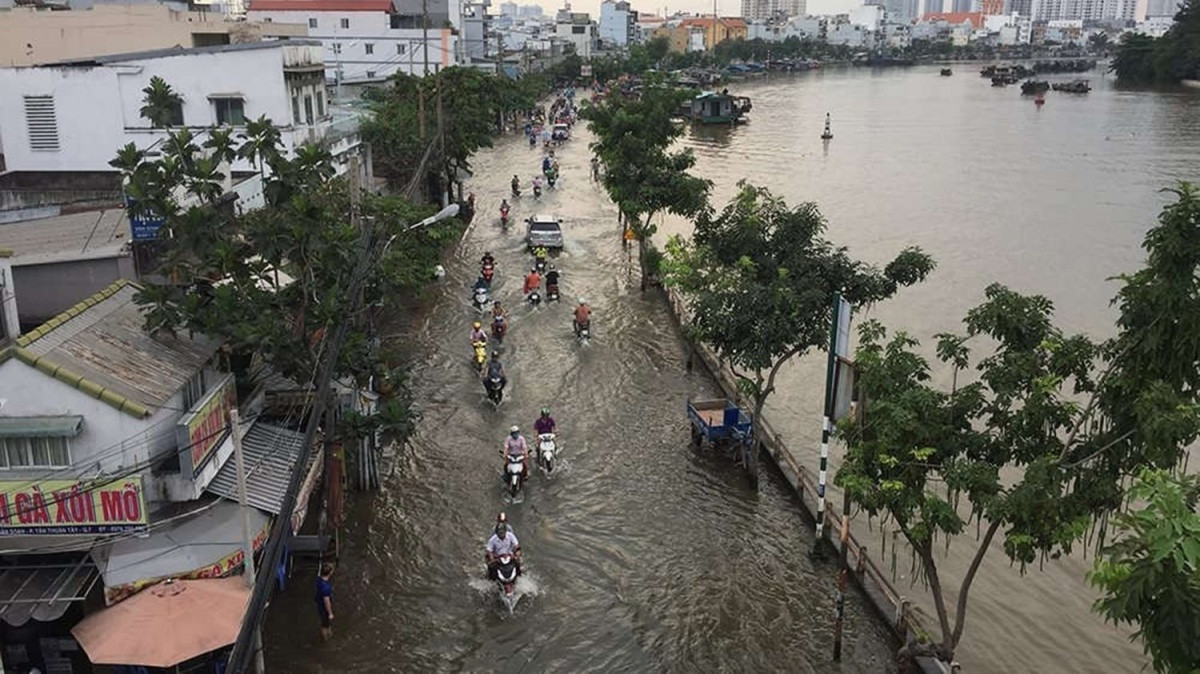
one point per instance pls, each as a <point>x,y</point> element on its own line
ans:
<point>176,114</point>
<point>35,452</point>
<point>41,121</point>
<point>312,23</point>
<point>193,390</point>
<point>320,104</point>
<point>399,47</point>
<point>230,111</point>
<point>370,74</point>
<point>345,23</point>
<point>337,47</point>
<point>295,109</point>
<point>370,48</point>
<point>578,30</point>
<point>308,109</point>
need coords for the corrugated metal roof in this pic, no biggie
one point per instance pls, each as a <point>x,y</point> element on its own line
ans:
<point>41,427</point>
<point>102,341</point>
<point>78,235</point>
<point>270,454</point>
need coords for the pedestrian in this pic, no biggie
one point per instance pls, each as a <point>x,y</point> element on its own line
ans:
<point>325,601</point>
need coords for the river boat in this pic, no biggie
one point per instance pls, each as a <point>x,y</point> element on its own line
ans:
<point>946,72</point>
<point>1003,80</point>
<point>1031,87</point>
<point>1064,66</point>
<point>1072,87</point>
<point>711,107</point>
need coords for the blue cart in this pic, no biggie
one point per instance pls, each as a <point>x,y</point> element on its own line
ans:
<point>725,425</point>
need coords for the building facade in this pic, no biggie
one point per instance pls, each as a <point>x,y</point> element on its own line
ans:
<point>578,30</point>
<point>763,10</point>
<point>618,23</point>
<point>44,129</point>
<point>369,40</point>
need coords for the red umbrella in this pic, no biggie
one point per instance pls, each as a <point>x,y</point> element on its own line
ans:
<point>167,624</point>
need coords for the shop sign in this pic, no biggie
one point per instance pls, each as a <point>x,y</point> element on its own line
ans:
<point>218,569</point>
<point>203,429</point>
<point>71,507</point>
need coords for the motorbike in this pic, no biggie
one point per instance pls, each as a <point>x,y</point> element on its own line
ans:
<point>537,191</point>
<point>514,467</point>
<point>495,389</point>
<point>506,581</point>
<point>504,218</point>
<point>539,263</point>
<point>534,298</point>
<point>546,451</point>
<point>551,292</point>
<point>499,328</point>
<point>583,332</point>
<point>480,354</point>
<point>516,190</point>
<point>551,178</point>
<point>487,272</point>
<point>482,299</point>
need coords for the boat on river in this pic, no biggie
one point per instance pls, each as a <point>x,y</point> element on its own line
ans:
<point>1072,87</point>
<point>946,72</point>
<point>711,107</point>
<point>1031,87</point>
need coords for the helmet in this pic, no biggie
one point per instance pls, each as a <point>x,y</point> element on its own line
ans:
<point>582,301</point>
<point>487,253</point>
<point>502,518</point>
<point>502,529</point>
<point>496,355</point>
<point>545,411</point>
<point>476,325</point>
<point>514,430</point>
<point>553,268</point>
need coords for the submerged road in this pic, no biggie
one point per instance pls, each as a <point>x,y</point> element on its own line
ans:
<point>642,554</point>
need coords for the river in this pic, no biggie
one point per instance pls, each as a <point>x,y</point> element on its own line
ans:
<point>1053,200</point>
<point>644,555</point>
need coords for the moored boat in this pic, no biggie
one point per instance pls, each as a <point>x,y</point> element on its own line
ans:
<point>1073,87</point>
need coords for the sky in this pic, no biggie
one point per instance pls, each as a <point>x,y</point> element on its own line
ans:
<point>724,7</point>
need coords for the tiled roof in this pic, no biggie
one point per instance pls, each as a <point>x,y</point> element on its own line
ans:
<point>956,18</point>
<point>706,21</point>
<point>320,5</point>
<point>99,347</point>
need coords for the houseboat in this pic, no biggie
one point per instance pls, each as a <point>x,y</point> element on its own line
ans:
<point>711,107</point>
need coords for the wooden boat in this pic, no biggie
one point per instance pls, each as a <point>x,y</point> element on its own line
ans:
<point>711,107</point>
<point>1073,87</point>
<point>946,72</point>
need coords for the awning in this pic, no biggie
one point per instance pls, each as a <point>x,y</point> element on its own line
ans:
<point>270,454</point>
<point>67,426</point>
<point>43,590</point>
<point>204,545</point>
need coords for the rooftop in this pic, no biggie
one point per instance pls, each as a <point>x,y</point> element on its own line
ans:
<point>955,18</point>
<point>320,5</point>
<point>271,455</point>
<point>100,347</point>
<point>78,235</point>
<point>182,51</point>
<point>727,21</point>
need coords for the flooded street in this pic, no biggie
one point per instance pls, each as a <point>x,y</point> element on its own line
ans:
<point>641,553</point>
<point>644,555</point>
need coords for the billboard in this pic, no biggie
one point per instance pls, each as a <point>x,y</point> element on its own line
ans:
<point>71,506</point>
<point>202,430</point>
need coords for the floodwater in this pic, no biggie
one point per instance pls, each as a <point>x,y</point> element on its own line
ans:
<point>641,553</point>
<point>644,555</point>
<point>1053,200</point>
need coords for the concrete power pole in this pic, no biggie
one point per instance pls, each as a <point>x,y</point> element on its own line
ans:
<point>247,537</point>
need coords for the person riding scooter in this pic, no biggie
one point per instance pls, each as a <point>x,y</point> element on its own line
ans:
<point>552,282</point>
<point>532,281</point>
<point>583,315</point>
<point>516,447</point>
<point>544,424</point>
<point>499,321</point>
<point>504,212</point>
<point>477,333</point>
<point>539,257</point>
<point>503,542</point>
<point>537,186</point>
<point>516,186</point>
<point>495,369</point>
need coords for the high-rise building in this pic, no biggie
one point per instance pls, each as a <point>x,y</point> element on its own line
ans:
<point>763,10</point>
<point>1163,7</point>
<point>1022,7</point>
<point>962,5</point>
<point>933,7</point>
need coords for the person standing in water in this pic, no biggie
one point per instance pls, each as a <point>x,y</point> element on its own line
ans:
<point>325,601</point>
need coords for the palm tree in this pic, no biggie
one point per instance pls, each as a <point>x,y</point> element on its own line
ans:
<point>161,103</point>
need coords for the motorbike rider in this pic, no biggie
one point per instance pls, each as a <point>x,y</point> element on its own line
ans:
<point>595,168</point>
<point>502,542</point>
<point>516,185</point>
<point>544,424</point>
<point>583,315</point>
<point>504,209</point>
<point>496,369</point>
<point>480,284</point>
<point>551,278</point>
<point>477,333</point>
<point>539,254</point>
<point>546,164</point>
<point>515,446</point>
<point>537,183</point>
<point>532,281</point>
<point>487,259</point>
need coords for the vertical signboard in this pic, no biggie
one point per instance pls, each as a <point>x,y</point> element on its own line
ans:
<point>202,430</point>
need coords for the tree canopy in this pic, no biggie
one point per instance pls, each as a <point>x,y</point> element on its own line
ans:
<point>1175,56</point>
<point>1066,419</point>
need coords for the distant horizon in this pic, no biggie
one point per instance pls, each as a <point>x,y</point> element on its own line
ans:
<point>724,7</point>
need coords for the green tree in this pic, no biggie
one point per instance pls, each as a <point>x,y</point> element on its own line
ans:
<point>1150,576</point>
<point>162,105</point>
<point>643,177</point>
<point>1065,419</point>
<point>1173,57</point>
<point>760,278</point>
<point>1134,60</point>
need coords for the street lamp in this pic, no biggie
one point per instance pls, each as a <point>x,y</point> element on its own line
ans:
<point>446,213</point>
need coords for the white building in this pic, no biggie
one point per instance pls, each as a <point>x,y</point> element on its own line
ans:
<point>870,17</point>
<point>618,23</point>
<point>1084,10</point>
<point>577,29</point>
<point>369,40</point>
<point>72,117</point>
<point>800,27</point>
<point>1159,8</point>
<point>842,31</point>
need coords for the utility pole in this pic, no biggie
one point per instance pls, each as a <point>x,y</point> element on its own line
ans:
<point>247,539</point>
<point>425,72</point>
